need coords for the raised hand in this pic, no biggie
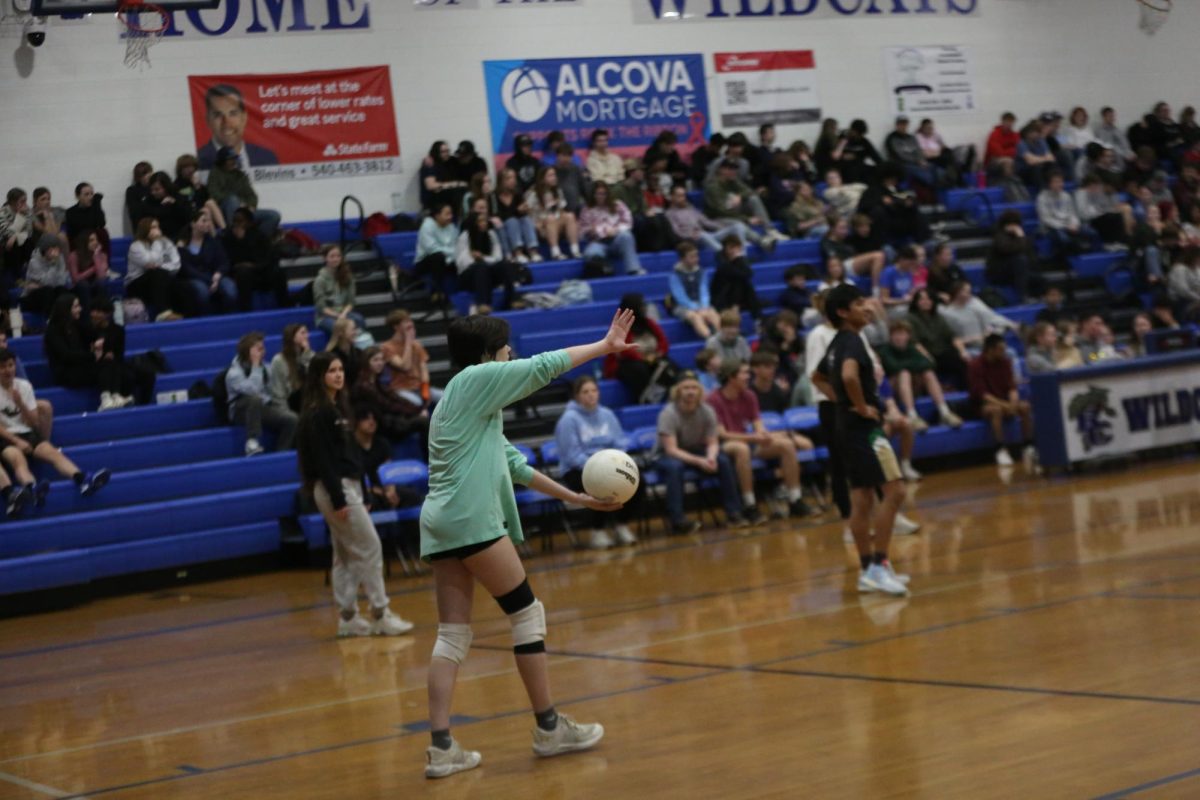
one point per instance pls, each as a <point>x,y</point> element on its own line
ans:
<point>618,331</point>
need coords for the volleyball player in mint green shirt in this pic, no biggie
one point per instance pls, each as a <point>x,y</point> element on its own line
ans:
<point>469,525</point>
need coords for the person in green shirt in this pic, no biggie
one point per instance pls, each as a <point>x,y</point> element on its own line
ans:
<point>470,524</point>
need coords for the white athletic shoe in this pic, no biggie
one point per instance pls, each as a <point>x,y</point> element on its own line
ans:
<point>575,251</point>
<point>909,472</point>
<point>126,400</point>
<point>355,626</point>
<point>917,424</point>
<point>535,257</point>
<point>439,763</point>
<point>876,578</point>
<point>600,539</point>
<point>390,625</point>
<point>903,526</point>
<point>899,576</point>
<point>253,447</point>
<point>107,402</point>
<point>520,258</point>
<point>951,419</point>
<point>1029,458</point>
<point>1003,459</point>
<point>625,535</point>
<point>567,737</point>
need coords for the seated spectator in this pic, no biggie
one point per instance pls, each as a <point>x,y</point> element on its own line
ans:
<point>377,451</point>
<point>466,163</point>
<point>1034,158</point>
<point>794,296</point>
<point>1051,122</point>
<point>481,189</point>
<point>408,361</point>
<point>728,198</point>
<point>1100,210</point>
<point>1059,217</point>
<point>586,428</point>
<point>520,233</point>
<point>728,342</point>
<point>1187,191</point>
<point>690,297</point>
<point>174,214</point>
<point>651,229</point>
<point>1066,354</point>
<point>16,232</point>
<point>139,374</point>
<point>251,404</point>
<point>606,225</point>
<point>687,439</point>
<point>760,155</point>
<point>436,241</point>
<point>152,272</point>
<point>900,281</point>
<point>944,271</point>
<point>137,193</point>
<point>780,335</point>
<point>44,407</point>
<point>994,397</point>
<point>665,146</point>
<point>1052,310</point>
<point>827,149</point>
<point>1142,325</point>
<point>1098,160</point>
<point>395,416</point>
<point>1188,127</point>
<point>836,246</point>
<point>935,336</point>
<point>905,362</point>
<point>20,440</point>
<point>707,362</point>
<point>782,177</point>
<point>864,237</point>
<point>744,437</point>
<point>551,217</point>
<point>289,366</point>
<point>1015,190</point>
<point>87,215</point>
<point>482,266</point>
<point>46,277</point>
<point>893,210</point>
<point>204,265</point>
<point>550,148</point>
<point>603,164</point>
<point>440,185</point>
<point>77,357</point>
<point>88,265</point>
<point>231,189</point>
<point>937,153</point>
<point>1078,134</point>
<point>1183,284</point>
<point>46,217</point>
<point>735,153</point>
<point>334,288</point>
<point>971,319</point>
<point>572,179</point>
<point>703,157</point>
<point>773,395</point>
<point>644,370</point>
<point>690,225</point>
<point>523,162</point>
<point>1165,135</point>
<point>1040,355</point>
<point>189,186</point>
<point>1111,136</point>
<point>1010,258</point>
<point>806,216</point>
<point>1002,144</point>
<point>803,157</point>
<point>255,267</point>
<point>860,161</point>
<point>1141,169</point>
<point>842,198</point>
<point>904,150</point>
<point>732,283</point>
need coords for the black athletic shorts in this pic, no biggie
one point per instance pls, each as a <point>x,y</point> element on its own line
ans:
<point>33,437</point>
<point>464,552</point>
<point>866,453</point>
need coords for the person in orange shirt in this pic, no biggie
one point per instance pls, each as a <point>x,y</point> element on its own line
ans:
<point>408,361</point>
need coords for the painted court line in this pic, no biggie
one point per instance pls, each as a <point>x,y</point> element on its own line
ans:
<point>1141,787</point>
<point>33,786</point>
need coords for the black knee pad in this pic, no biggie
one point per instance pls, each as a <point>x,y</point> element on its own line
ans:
<point>519,598</point>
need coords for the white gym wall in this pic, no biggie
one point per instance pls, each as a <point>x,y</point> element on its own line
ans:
<point>72,111</point>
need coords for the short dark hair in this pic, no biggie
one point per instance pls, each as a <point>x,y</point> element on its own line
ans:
<point>470,339</point>
<point>223,90</point>
<point>597,133</point>
<point>437,207</point>
<point>564,149</point>
<point>1106,110</point>
<point>101,304</point>
<point>39,191</point>
<point>838,299</point>
<point>859,126</point>
<point>7,355</point>
<point>79,187</point>
<point>685,247</point>
<point>766,126</point>
<point>795,271</point>
<point>991,340</point>
<point>728,370</point>
<point>731,240</point>
<point>580,382</point>
<point>764,358</point>
<point>907,252</point>
<point>1053,173</point>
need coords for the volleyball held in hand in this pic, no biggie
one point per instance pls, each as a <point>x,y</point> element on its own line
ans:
<point>611,476</point>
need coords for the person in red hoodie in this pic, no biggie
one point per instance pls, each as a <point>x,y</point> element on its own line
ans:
<point>1002,143</point>
<point>994,396</point>
<point>644,370</point>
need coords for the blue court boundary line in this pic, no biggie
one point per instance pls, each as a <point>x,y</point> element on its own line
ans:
<point>1141,787</point>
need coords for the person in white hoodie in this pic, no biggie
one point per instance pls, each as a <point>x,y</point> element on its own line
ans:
<point>585,428</point>
<point>153,267</point>
<point>481,265</point>
<point>247,383</point>
<point>46,276</point>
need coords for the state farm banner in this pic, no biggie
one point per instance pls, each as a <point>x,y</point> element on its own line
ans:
<point>1123,413</point>
<point>297,126</point>
<point>776,86</point>
<point>634,97</point>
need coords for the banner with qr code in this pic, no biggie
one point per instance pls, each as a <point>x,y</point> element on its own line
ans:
<point>930,80</point>
<point>776,86</point>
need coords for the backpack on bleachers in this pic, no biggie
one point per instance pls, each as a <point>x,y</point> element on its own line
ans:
<point>220,398</point>
<point>133,312</point>
<point>375,225</point>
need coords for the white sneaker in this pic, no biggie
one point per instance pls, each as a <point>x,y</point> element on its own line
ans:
<point>917,424</point>
<point>1003,459</point>
<point>625,535</point>
<point>636,271</point>
<point>556,254</point>
<point>390,625</point>
<point>600,539</point>
<point>909,473</point>
<point>439,763</point>
<point>878,579</point>
<point>899,576</point>
<point>903,526</point>
<point>567,737</point>
<point>778,235</point>
<point>535,257</point>
<point>355,626</point>
<point>472,310</point>
<point>253,448</point>
<point>950,418</point>
<point>1029,458</point>
<point>126,400</point>
<point>107,402</point>
<point>575,251</point>
<point>520,258</point>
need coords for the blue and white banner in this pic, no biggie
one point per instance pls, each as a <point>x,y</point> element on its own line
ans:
<point>634,97</point>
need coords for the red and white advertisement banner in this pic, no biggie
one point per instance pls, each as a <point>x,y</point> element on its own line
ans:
<point>778,86</point>
<point>297,126</point>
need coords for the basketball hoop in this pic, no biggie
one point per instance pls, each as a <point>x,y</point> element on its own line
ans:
<point>141,34</point>
<point>1154,15</point>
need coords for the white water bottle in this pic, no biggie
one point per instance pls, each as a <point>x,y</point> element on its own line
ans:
<point>16,322</point>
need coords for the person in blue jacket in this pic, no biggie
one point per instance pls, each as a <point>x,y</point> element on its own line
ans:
<point>585,428</point>
<point>689,292</point>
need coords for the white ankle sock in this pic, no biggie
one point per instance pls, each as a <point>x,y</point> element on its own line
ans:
<point>793,494</point>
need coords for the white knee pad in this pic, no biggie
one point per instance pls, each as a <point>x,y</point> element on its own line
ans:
<point>453,642</point>
<point>529,624</point>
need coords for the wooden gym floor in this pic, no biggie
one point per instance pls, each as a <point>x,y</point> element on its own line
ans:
<point>1048,650</point>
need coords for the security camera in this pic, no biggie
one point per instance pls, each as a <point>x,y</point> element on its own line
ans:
<point>35,31</point>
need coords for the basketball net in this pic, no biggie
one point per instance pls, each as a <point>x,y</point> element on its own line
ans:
<point>144,25</point>
<point>1154,15</point>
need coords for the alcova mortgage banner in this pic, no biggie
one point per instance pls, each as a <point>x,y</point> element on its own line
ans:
<point>633,97</point>
<point>298,126</point>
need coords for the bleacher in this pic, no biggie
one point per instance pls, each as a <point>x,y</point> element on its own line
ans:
<point>183,494</point>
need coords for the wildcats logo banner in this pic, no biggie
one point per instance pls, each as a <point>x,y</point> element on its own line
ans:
<point>633,97</point>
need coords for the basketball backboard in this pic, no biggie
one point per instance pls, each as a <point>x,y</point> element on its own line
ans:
<point>55,8</point>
